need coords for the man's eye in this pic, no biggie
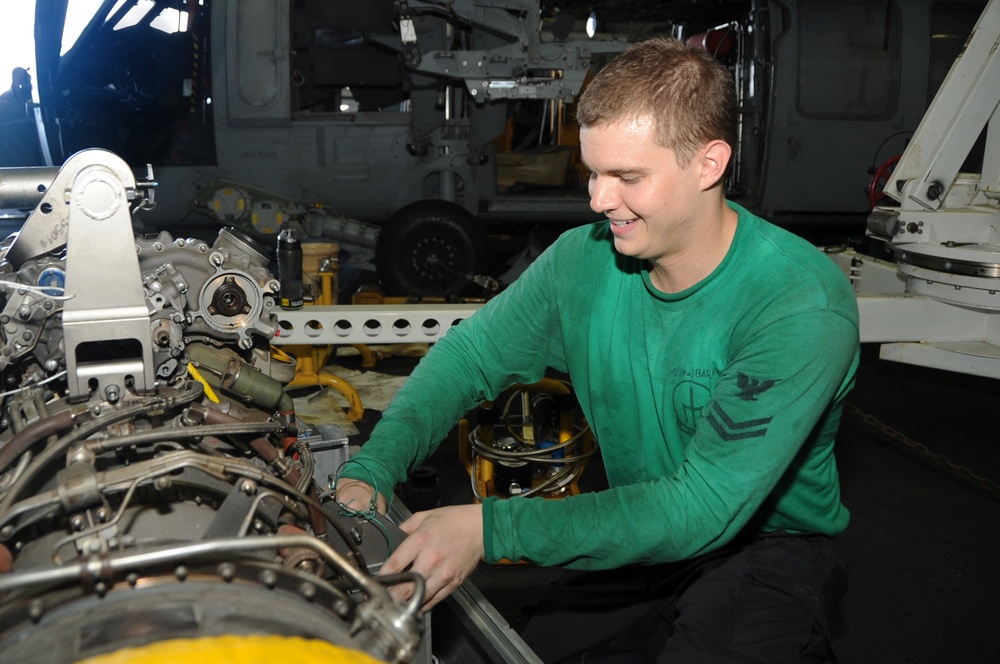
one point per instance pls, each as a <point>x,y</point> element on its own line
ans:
<point>628,180</point>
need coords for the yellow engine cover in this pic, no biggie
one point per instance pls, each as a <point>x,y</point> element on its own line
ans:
<point>253,649</point>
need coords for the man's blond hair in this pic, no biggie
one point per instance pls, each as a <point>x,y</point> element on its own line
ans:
<point>688,93</point>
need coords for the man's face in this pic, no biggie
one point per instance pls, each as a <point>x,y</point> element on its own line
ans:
<point>649,199</point>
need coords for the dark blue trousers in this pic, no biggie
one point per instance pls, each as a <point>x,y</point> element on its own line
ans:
<point>769,599</point>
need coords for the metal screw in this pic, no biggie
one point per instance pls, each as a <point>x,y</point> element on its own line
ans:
<point>227,571</point>
<point>36,610</point>
<point>306,566</point>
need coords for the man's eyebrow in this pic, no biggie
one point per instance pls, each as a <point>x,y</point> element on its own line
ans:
<point>627,170</point>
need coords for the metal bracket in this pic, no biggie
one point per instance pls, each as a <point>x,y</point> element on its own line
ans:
<point>106,323</point>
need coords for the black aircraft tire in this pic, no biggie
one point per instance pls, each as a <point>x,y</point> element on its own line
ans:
<point>430,249</point>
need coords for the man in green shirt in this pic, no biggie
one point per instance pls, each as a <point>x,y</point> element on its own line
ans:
<point>711,353</point>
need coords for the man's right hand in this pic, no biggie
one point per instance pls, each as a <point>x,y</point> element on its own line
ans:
<point>357,495</point>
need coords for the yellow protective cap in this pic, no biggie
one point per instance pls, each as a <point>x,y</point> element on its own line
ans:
<point>250,649</point>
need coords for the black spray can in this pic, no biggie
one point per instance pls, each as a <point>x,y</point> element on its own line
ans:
<point>290,269</point>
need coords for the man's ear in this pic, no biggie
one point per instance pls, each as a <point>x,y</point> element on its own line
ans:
<point>714,160</point>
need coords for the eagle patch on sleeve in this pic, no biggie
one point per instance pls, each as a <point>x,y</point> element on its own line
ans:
<point>751,387</point>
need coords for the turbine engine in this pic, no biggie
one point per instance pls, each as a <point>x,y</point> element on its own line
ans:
<point>155,485</point>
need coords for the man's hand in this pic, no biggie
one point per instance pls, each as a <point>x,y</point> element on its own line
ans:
<point>443,545</point>
<point>357,495</point>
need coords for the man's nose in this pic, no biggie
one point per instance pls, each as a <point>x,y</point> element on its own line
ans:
<point>603,194</point>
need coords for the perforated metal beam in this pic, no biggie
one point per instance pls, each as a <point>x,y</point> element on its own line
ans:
<point>369,324</point>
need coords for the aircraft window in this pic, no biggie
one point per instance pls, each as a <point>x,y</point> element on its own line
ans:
<point>168,20</point>
<point>171,21</point>
<point>78,15</point>
<point>865,34</point>
<point>133,15</point>
<point>80,12</point>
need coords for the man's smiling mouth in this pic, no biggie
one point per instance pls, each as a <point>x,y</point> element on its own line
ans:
<point>623,223</point>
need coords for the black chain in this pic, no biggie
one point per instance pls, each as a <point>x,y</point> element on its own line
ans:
<point>937,459</point>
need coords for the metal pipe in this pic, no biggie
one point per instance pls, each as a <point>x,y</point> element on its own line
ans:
<point>23,188</point>
<point>97,567</point>
<point>166,433</point>
<point>191,392</point>
<point>291,475</point>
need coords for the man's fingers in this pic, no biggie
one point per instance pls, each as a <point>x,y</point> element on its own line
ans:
<point>399,559</point>
<point>402,592</point>
<point>440,580</point>
<point>442,545</point>
<point>435,590</point>
<point>440,587</point>
<point>411,524</point>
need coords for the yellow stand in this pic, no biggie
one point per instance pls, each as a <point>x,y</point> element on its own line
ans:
<point>308,372</point>
<point>310,360</point>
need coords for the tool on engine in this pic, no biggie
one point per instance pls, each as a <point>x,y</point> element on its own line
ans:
<point>538,443</point>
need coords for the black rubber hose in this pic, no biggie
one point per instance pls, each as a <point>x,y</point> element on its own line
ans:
<point>31,434</point>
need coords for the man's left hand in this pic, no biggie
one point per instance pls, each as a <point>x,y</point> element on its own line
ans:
<point>443,545</point>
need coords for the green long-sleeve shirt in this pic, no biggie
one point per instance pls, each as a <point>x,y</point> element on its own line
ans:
<point>715,408</point>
